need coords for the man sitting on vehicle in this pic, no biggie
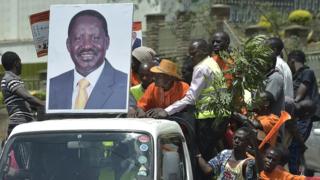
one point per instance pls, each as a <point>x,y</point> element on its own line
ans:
<point>234,163</point>
<point>140,55</point>
<point>166,89</point>
<point>146,77</point>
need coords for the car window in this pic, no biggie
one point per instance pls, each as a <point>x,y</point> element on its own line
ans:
<point>78,156</point>
<point>172,158</point>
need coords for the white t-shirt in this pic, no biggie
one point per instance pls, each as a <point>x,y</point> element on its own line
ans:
<point>287,76</point>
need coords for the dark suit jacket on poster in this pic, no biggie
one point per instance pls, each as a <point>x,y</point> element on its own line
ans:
<point>110,91</point>
<point>136,44</point>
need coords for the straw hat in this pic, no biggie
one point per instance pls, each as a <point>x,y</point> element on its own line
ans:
<point>166,67</point>
<point>143,54</point>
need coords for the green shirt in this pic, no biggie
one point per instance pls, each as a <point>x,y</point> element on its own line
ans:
<point>137,92</point>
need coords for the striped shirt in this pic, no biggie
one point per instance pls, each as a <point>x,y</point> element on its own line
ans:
<point>18,108</point>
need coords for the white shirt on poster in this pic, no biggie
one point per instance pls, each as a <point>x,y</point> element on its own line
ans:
<point>92,78</point>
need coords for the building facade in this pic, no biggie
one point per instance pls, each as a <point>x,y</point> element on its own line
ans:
<point>246,11</point>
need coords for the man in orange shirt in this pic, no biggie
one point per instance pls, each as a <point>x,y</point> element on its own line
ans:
<point>273,170</point>
<point>166,89</point>
<point>220,42</point>
<point>265,120</point>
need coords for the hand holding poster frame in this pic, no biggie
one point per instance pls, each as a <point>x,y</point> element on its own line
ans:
<point>91,42</point>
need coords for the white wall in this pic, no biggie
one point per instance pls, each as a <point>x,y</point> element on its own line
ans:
<point>25,50</point>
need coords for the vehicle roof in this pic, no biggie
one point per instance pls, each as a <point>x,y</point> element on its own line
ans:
<point>153,126</point>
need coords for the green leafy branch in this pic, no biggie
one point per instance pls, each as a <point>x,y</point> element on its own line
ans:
<point>248,71</point>
<point>216,98</point>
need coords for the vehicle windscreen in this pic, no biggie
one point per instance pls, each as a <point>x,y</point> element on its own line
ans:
<point>78,156</point>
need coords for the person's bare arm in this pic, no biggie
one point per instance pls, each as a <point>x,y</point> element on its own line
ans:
<point>136,112</point>
<point>252,123</point>
<point>257,154</point>
<point>257,124</point>
<point>205,167</point>
<point>157,113</point>
<point>301,92</point>
<point>22,92</point>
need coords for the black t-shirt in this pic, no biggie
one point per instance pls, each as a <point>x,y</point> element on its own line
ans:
<point>306,75</point>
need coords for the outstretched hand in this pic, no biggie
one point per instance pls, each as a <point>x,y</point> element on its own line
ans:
<point>136,113</point>
<point>239,117</point>
<point>157,113</point>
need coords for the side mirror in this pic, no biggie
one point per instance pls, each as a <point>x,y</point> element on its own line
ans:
<point>316,132</point>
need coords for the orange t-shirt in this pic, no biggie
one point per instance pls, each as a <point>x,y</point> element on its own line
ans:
<point>155,97</point>
<point>273,128</point>
<point>268,122</point>
<point>279,173</point>
<point>225,66</point>
<point>134,79</point>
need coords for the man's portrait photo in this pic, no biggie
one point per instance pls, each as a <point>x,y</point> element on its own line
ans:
<point>136,35</point>
<point>136,42</point>
<point>84,75</point>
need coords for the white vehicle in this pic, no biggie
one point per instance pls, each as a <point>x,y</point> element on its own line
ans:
<point>96,149</point>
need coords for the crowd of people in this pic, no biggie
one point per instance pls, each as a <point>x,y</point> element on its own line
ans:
<point>239,146</point>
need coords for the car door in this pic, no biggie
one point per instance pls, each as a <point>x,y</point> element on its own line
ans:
<point>172,158</point>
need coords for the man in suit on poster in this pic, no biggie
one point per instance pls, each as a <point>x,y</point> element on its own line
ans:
<point>94,83</point>
<point>136,42</point>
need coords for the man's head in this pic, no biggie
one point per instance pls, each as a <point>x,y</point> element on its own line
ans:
<point>271,59</point>
<point>134,35</point>
<point>258,51</point>
<point>264,101</point>
<point>11,62</point>
<point>220,42</point>
<point>276,45</point>
<point>241,139</point>
<point>296,59</point>
<point>198,50</point>
<point>165,74</point>
<point>140,55</point>
<point>145,75</point>
<point>88,40</point>
<point>272,158</point>
<point>270,63</point>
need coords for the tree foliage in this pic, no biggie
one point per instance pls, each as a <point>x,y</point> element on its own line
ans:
<point>271,17</point>
<point>301,17</point>
<point>248,72</point>
<point>264,22</point>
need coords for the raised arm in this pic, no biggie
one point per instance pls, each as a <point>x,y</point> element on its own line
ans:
<point>22,92</point>
<point>205,167</point>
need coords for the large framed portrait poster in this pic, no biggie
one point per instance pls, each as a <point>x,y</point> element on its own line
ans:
<point>89,58</point>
